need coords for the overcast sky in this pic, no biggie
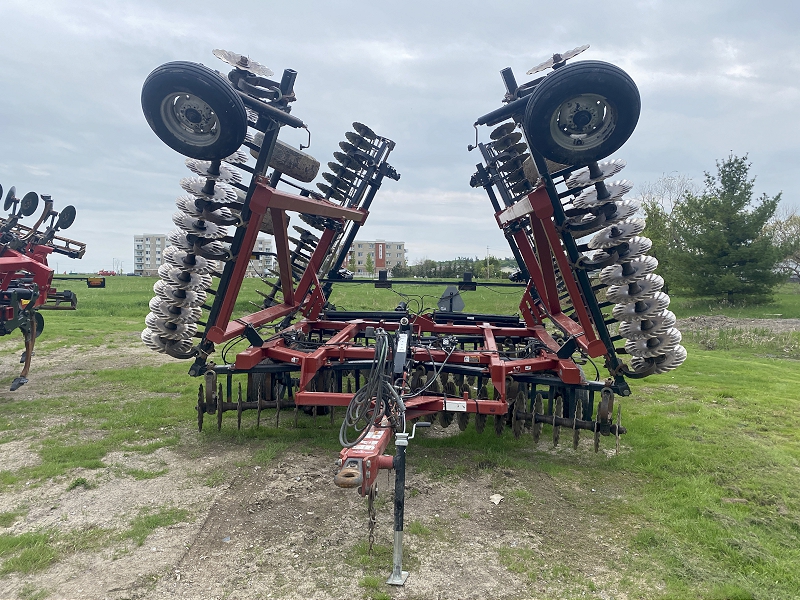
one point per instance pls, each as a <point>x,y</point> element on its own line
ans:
<point>715,77</point>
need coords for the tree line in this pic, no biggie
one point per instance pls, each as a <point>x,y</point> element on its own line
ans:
<point>719,240</point>
<point>481,268</point>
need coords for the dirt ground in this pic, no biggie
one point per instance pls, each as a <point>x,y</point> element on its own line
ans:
<point>285,531</point>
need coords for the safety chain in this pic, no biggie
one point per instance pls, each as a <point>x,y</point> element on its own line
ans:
<point>373,519</point>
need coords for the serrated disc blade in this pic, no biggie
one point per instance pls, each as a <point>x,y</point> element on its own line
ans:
<point>178,238</point>
<point>221,216</point>
<point>170,331</point>
<point>629,271</point>
<point>507,141</point>
<point>608,168</point>
<point>654,346</point>
<point>358,141</point>
<point>243,63</point>
<point>221,193</point>
<point>503,130</point>
<point>237,158</point>
<point>198,227</point>
<point>507,163</point>
<point>153,341</point>
<point>337,182</point>
<point>641,309</point>
<point>341,171</point>
<point>201,168</point>
<point>184,280</point>
<point>666,362</point>
<point>210,249</point>
<point>521,187</point>
<point>189,261</point>
<point>602,216</point>
<point>178,297</point>
<point>616,189</point>
<point>174,314</point>
<point>557,59</point>
<point>631,292</point>
<point>352,162</point>
<point>364,131</point>
<point>514,151</point>
<point>330,192</point>
<point>616,234</point>
<point>625,209</point>
<point>653,325</point>
<point>633,248</point>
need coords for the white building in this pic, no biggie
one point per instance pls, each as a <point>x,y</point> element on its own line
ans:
<point>148,253</point>
<point>259,264</point>
<point>385,255</point>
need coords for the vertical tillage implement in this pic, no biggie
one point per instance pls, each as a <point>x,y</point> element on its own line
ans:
<point>572,232</point>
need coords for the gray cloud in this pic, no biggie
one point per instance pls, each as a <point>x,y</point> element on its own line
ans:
<point>715,77</point>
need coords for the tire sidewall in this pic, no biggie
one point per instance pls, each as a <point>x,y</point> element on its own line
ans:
<point>587,77</point>
<point>212,88</point>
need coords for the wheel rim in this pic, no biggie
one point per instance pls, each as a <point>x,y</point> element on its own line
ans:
<point>584,121</point>
<point>190,119</point>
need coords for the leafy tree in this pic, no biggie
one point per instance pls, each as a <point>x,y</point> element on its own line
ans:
<point>369,264</point>
<point>659,200</point>
<point>721,250</point>
<point>351,265</point>
<point>479,267</point>
<point>785,234</point>
<point>426,268</point>
<point>401,270</point>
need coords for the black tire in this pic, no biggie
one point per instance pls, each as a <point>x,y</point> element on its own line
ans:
<point>576,133</point>
<point>194,110</point>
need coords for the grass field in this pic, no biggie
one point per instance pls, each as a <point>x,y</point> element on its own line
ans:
<point>705,497</point>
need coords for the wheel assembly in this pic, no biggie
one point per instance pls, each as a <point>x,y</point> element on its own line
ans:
<point>194,110</point>
<point>582,112</point>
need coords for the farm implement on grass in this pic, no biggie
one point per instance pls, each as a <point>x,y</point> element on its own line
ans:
<point>582,266</point>
<point>25,278</point>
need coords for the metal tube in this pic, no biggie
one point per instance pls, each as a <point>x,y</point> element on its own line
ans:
<point>503,113</point>
<point>398,576</point>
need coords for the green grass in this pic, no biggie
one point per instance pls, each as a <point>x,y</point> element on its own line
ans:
<point>26,553</point>
<point>80,482</point>
<point>142,474</point>
<point>30,592</point>
<point>785,304</point>
<point>147,522</point>
<point>417,528</point>
<point>35,551</point>
<point>782,344</point>
<point>8,518</point>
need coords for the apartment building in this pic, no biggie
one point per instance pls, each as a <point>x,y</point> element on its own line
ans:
<point>385,255</point>
<point>148,253</point>
<point>260,263</point>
